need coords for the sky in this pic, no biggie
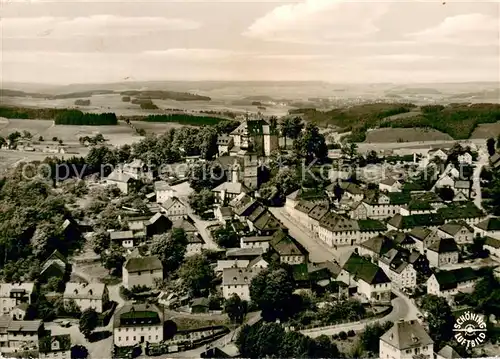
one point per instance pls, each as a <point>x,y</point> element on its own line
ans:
<point>339,41</point>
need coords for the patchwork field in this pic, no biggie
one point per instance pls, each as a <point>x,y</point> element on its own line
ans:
<point>116,135</point>
<point>486,130</point>
<point>114,103</point>
<point>384,135</point>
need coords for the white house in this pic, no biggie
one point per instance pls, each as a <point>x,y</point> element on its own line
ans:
<point>13,294</point>
<point>442,252</point>
<point>227,191</point>
<point>493,246</point>
<point>258,263</point>
<point>256,241</point>
<point>195,244</point>
<point>87,295</point>
<point>370,280</point>
<point>125,238</point>
<point>466,158</point>
<point>406,340</point>
<point>231,263</point>
<point>163,191</point>
<point>288,249</point>
<point>423,237</point>
<point>336,230</point>
<point>390,185</point>
<point>376,247</point>
<point>137,323</point>
<point>55,347</point>
<point>22,335</point>
<point>142,271</point>
<point>401,273</point>
<point>119,179</point>
<point>489,227</point>
<point>445,181</point>
<point>463,186</point>
<point>174,208</point>
<point>448,283</point>
<point>237,281</point>
<point>437,153</point>
<point>460,231</point>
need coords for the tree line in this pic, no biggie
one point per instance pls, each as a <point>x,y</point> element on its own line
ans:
<point>76,117</point>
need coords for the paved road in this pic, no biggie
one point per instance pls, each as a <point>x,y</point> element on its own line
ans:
<point>402,308</point>
<point>476,186</point>
<point>97,350</point>
<point>318,250</point>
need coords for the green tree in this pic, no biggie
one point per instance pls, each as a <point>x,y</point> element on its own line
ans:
<point>13,137</point>
<point>236,308</point>
<point>88,321</point>
<point>197,275</point>
<point>350,150</point>
<point>323,347</point>
<point>27,135</point>
<point>490,145</point>
<point>286,128</point>
<point>205,175</point>
<point>311,144</point>
<point>170,249</point>
<point>369,339</point>
<point>202,201</point>
<point>296,127</point>
<point>226,237</point>
<point>446,193</point>
<point>439,317</point>
<point>79,352</point>
<point>272,291</point>
<point>3,142</point>
<point>207,139</point>
<point>113,259</point>
<point>100,241</point>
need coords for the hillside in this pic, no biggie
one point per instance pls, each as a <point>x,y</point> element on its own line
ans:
<point>457,120</point>
<point>165,95</point>
<point>152,95</point>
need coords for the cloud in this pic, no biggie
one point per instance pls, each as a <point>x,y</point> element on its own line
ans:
<point>95,25</point>
<point>465,29</point>
<point>318,21</point>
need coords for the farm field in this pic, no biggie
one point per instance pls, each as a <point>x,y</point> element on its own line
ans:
<point>114,103</point>
<point>116,135</point>
<point>486,130</point>
<point>384,135</point>
<point>8,158</point>
<point>155,127</point>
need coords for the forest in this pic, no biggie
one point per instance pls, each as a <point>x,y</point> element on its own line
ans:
<point>457,120</point>
<point>75,117</point>
<point>166,95</point>
<point>183,119</point>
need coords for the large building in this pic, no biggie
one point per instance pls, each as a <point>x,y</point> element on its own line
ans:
<point>137,323</point>
<point>87,295</point>
<point>18,336</point>
<point>405,340</point>
<point>13,294</point>
<point>142,271</point>
<point>256,135</point>
<point>55,347</point>
<point>237,281</point>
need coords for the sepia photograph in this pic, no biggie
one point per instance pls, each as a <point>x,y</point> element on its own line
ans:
<point>249,179</point>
